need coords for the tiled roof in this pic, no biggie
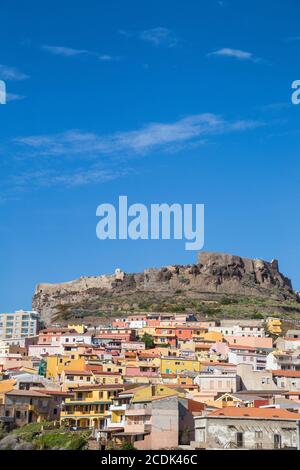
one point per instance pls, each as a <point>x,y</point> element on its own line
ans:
<point>77,372</point>
<point>286,373</point>
<point>28,393</point>
<point>249,412</point>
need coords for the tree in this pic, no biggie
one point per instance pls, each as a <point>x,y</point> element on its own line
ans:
<point>148,340</point>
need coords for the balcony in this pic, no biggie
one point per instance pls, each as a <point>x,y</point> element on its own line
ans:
<point>138,428</point>
<point>97,414</point>
<point>122,407</point>
<point>120,424</point>
<point>139,411</point>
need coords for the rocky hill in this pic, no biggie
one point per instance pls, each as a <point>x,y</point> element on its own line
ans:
<point>217,284</point>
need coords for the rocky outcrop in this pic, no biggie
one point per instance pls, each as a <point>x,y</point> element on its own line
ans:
<point>213,273</point>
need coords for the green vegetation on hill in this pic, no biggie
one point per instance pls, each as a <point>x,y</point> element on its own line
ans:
<point>204,305</point>
<point>43,436</point>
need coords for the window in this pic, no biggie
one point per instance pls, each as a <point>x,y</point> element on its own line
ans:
<point>258,434</point>
<point>239,439</point>
<point>277,441</point>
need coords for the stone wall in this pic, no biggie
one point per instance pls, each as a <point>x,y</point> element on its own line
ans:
<point>213,273</point>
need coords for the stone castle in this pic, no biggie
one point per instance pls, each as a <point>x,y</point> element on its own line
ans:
<point>214,273</point>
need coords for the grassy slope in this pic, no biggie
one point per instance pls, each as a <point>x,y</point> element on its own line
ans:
<point>205,305</point>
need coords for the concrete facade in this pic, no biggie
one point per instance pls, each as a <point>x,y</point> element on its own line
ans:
<point>232,432</point>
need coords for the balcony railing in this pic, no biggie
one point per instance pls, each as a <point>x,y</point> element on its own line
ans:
<point>122,407</point>
<point>138,411</point>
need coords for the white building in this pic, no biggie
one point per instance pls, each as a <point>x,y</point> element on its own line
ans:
<point>20,324</point>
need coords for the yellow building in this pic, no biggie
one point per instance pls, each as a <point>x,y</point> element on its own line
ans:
<point>90,406</point>
<point>116,368</point>
<point>5,386</point>
<point>212,336</point>
<point>80,329</point>
<point>274,326</point>
<point>56,365</point>
<point>149,330</point>
<point>71,379</point>
<point>108,378</point>
<point>178,365</point>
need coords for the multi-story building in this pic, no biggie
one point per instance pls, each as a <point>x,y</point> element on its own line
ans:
<point>20,324</point>
<point>248,355</point>
<point>283,360</point>
<point>274,326</point>
<point>29,406</point>
<point>90,406</point>
<point>178,365</point>
<point>247,428</point>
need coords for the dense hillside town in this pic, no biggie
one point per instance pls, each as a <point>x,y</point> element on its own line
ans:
<point>150,381</point>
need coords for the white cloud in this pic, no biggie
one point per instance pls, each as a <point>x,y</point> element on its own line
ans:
<point>76,158</point>
<point>153,136</point>
<point>76,177</point>
<point>11,73</point>
<point>14,97</point>
<point>159,37</point>
<point>235,53</point>
<point>64,51</point>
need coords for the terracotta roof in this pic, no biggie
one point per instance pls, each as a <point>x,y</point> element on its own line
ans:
<point>54,392</point>
<point>28,393</point>
<point>208,363</point>
<point>108,373</point>
<point>77,372</point>
<point>287,338</point>
<point>146,354</point>
<point>99,387</point>
<point>92,367</point>
<point>57,330</point>
<point>286,373</point>
<point>249,412</point>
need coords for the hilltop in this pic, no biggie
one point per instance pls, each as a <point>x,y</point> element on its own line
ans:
<point>217,285</point>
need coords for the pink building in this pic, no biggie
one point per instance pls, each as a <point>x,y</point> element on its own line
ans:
<point>252,341</point>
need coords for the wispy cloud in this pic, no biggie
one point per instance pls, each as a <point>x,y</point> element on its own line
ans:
<point>77,177</point>
<point>150,137</point>
<point>64,51</point>
<point>75,158</point>
<point>158,36</point>
<point>14,97</point>
<point>72,52</point>
<point>234,53</point>
<point>11,73</point>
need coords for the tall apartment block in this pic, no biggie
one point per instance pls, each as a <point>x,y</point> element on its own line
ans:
<point>20,324</point>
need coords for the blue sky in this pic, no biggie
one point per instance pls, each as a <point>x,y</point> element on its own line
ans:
<point>162,101</point>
